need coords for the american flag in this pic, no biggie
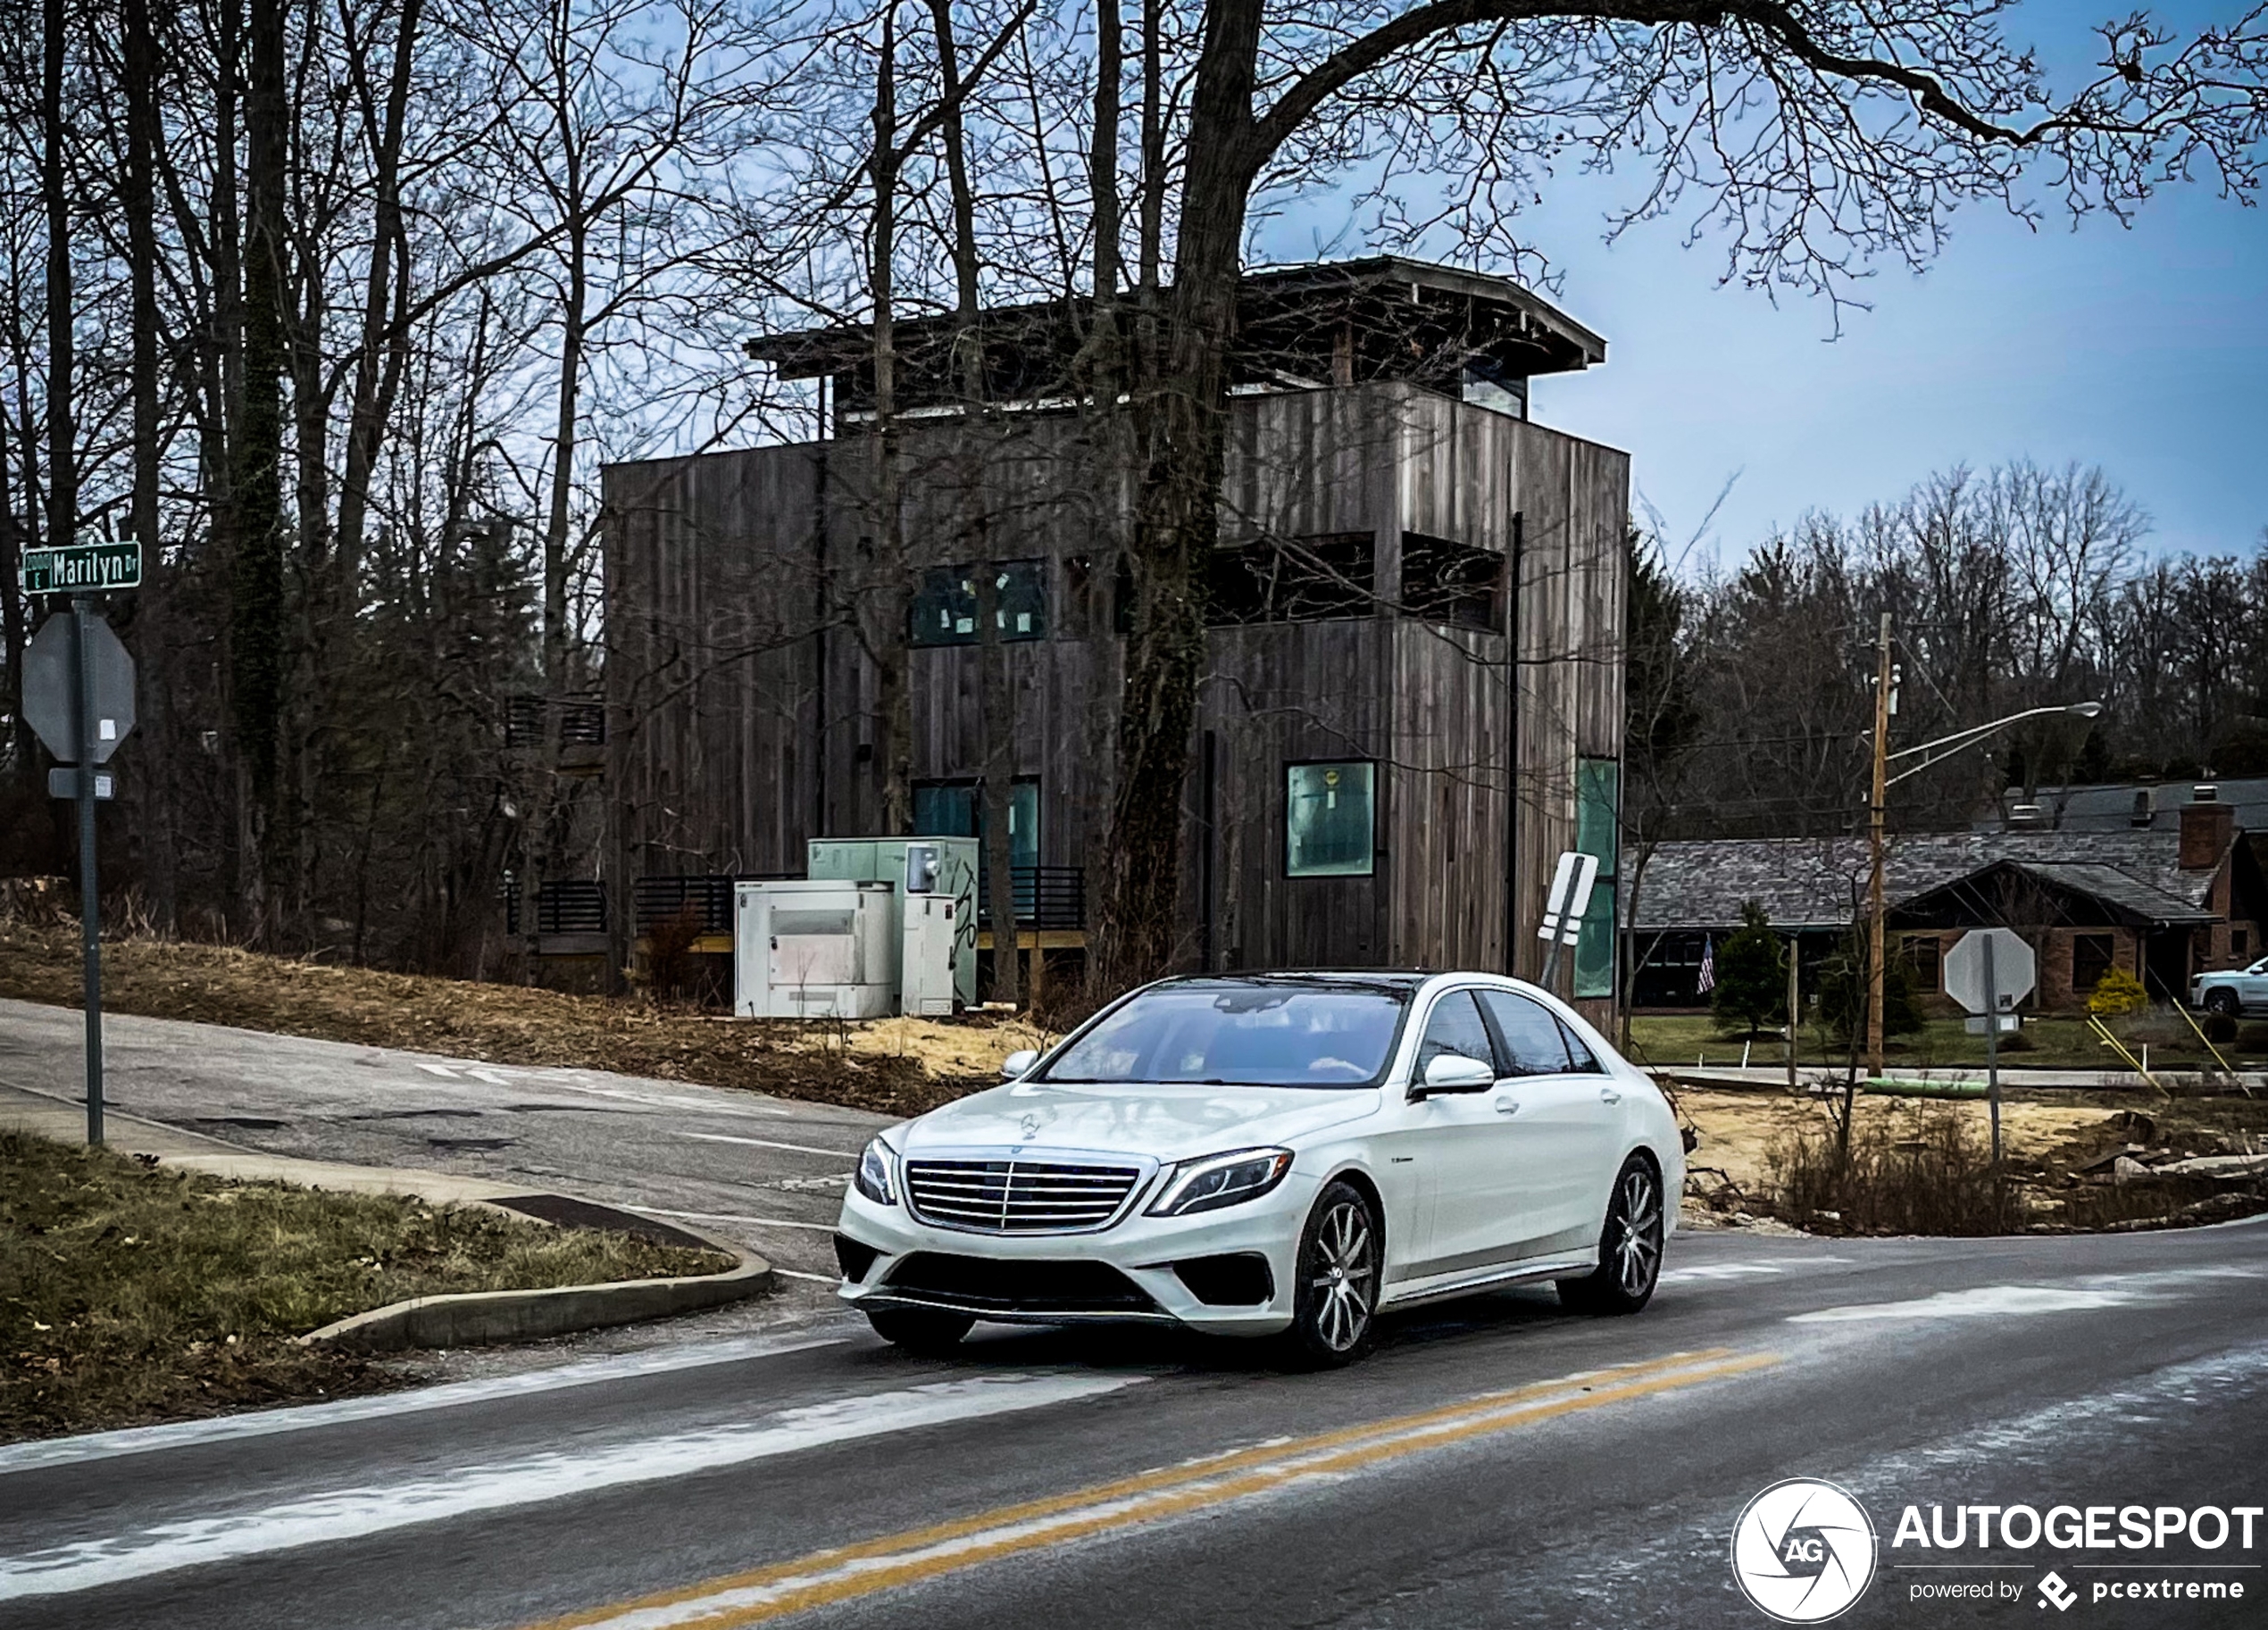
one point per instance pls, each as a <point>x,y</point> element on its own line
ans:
<point>1708,965</point>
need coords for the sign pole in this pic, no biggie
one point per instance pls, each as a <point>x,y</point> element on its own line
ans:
<point>90,911</point>
<point>1992,1049</point>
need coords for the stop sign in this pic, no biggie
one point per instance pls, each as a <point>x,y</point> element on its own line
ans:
<point>2015,969</point>
<point>50,688</point>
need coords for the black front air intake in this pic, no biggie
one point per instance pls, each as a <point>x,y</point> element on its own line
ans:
<point>985,1284</point>
<point>854,1257</point>
<point>1239,1280</point>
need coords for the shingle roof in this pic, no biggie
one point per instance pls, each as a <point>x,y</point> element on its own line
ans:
<point>1822,882</point>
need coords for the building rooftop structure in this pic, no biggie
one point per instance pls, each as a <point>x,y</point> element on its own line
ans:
<point>1470,334</point>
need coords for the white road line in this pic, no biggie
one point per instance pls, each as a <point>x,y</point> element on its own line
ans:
<point>353,1513</point>
<point>789,1273</point>
<point>489,1075</point>
<point>302,1418</point>
<point>1717,1270</point>
<point>1981,1301</point>
<point>769,1222</point>
<point>442,1070</point>
<point>759,1143</point>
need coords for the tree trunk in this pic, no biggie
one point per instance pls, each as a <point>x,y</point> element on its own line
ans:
<point>996,713</point>
<point>888,598</point>
<point>62,469</point>
<point>256,579</point>
<point>1180,425</point>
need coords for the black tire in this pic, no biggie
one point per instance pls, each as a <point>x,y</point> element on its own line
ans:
<point>2220,1003</point>
<point>925,1331</point>
<point>1629,1246</point>
<point>1335,1280</point>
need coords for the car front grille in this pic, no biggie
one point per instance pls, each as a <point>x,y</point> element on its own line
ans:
<point>1018,1197</point>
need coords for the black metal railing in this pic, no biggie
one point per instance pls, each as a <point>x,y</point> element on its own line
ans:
<point>654,900</point>
<point>1046,897</point>
<point>582,721</point>
<point>567,906</point>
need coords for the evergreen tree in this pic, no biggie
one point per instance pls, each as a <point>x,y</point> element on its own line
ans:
<point>1752,975</point>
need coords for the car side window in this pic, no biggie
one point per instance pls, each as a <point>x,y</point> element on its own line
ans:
<point>1534,1042</point>
<point>1455,1027</point>
<point>1584,1062</point>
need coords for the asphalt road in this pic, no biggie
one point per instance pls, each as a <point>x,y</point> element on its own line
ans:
<point>769,1172</point>
<point>1498,1462</point>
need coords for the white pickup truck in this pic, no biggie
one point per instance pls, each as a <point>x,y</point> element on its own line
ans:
<point>2232,991</point>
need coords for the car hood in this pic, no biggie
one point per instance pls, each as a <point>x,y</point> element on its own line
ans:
<point>1169,1122</point>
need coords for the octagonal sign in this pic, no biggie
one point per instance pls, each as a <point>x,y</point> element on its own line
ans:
<point>2015,969</point>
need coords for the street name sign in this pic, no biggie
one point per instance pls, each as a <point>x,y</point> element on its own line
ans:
<point>82,569</point>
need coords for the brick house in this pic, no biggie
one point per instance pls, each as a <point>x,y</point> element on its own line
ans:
<point>2160,902</point>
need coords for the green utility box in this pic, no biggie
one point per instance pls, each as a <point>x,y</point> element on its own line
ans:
<point>882,860</point>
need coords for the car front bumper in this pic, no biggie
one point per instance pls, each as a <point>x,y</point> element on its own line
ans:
<point>1075,1279</point>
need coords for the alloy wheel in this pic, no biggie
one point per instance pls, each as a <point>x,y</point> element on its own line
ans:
<point>1345,1265</point>
<point>1638,1242</point>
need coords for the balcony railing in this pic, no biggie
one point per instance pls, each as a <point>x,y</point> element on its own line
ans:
<point>654,900</point>
<point>566,906</point>
<point>1051,897</point>
<point>582,721</point>
<point>1046,897</point>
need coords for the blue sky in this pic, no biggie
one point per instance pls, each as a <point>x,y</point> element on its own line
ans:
<point>2144,350</point>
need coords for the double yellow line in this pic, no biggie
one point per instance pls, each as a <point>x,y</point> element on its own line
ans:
<point>842,1572</point>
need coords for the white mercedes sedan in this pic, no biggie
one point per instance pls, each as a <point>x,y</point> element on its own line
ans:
<point>1274,1155</point>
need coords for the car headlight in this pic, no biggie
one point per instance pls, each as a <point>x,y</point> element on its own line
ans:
<point>1217,1180</point>
<point>876,1175</point>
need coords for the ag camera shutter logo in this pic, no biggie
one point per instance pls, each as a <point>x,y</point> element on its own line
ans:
<point>1803,1551</point>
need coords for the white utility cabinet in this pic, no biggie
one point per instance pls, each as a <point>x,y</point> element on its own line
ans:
<point>929,967</point>
<point>818,948</point>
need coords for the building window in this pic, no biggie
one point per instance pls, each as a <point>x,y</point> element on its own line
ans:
<point>1452,583</point>
<point>2092,955</point>
<point>945,607</point>
<point>1330,819</point>
<point>1598,809</point>
<point>2240,945</point>
<point>1292,579</point>
<point>1924,953</point>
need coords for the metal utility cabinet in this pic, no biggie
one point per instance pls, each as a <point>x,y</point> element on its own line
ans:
<point>940,870</point>
<point>818,948</point>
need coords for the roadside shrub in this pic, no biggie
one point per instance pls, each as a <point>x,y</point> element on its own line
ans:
<point>1925,1173</point>
<point>2116,994</point>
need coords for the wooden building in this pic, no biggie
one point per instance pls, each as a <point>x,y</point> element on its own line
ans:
<point>1414,699</point>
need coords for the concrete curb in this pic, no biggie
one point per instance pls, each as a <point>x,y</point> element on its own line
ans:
<point>480,1318</point>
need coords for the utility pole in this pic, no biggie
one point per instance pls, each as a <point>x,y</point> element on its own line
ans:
<point>1874,934</point>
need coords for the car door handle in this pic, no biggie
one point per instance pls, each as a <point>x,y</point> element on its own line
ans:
<point>1507,1106</point>
<point>1608,1094</point>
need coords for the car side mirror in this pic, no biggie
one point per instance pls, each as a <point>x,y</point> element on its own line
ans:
<point>1018,1064</point>
<point>1453,1072</point>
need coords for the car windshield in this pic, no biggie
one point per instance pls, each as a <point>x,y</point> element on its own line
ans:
<point>1241,1034</point>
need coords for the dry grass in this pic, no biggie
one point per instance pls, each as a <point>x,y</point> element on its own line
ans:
<point>900,1070</point>
<point>131,1292</point>
<point>1932,1173</point>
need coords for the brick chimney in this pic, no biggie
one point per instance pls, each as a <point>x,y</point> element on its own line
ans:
<point>2207,827</point>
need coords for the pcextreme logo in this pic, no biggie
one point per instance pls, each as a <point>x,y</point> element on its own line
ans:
<point>1802,1551</point>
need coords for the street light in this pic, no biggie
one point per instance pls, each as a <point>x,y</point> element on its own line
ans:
<point>1930,753</point>
<point>1946,746</point>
